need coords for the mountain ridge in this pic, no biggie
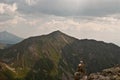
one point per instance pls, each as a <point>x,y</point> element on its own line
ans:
<point>56,55</point>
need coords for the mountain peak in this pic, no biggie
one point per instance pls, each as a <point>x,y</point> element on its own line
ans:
<point>9,38</point>
<point>57,53</point>
<point>4,32</point>
<point>57,32</point>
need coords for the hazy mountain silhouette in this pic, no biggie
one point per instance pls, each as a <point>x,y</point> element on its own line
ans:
<point>9,38</point>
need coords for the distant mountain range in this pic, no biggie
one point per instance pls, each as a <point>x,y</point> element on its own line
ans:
<point>55,57</point>
<point>9,38</point>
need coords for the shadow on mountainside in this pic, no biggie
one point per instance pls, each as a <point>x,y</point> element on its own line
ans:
<point>96,55</point>
<point>41,70</point>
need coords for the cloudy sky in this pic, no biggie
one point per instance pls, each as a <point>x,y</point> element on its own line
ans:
<point>92,19</point>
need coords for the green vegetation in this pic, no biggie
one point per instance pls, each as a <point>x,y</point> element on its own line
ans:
<point>55,57</point>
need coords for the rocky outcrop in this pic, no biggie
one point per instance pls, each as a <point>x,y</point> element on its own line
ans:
<point>107,74</point>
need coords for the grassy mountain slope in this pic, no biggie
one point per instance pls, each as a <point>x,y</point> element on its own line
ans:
<point>56,55</point>
<point>3,46</point>
<point>97,54</point>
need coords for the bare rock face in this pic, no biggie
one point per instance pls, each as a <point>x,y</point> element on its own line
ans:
<point>107,74</point>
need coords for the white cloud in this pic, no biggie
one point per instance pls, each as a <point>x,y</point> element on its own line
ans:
<point>16,20</point>
<point>96,24</point>
<point>8,8</point>
<point>33,22</point>
<point>31,2</point>
<point>99,28</point>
